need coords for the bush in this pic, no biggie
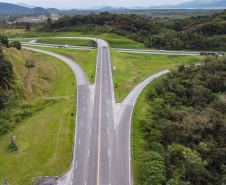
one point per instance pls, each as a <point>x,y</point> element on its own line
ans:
<point>16,44</point>
<point>30,63</point>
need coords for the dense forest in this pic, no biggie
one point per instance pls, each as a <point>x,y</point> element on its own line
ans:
<point>197,32</point>
<point>185,126</point>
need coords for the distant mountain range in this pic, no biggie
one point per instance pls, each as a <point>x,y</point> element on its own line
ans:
<point>7,8</point>
<point>22,8</point>
<point>196,4</point>
<point>25,5</point>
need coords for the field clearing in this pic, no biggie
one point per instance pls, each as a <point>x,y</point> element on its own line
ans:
<point>45,139</point>
<point>132,68</point>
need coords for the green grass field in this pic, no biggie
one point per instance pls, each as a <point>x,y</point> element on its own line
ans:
<point>118,41</point>
<point>85,58</point>
<point>131,68</point>
<point>46,137</point>
<point>73,42</point>
<point>114,40</point>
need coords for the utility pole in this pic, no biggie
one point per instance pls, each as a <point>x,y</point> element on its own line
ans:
<point>96,40</point>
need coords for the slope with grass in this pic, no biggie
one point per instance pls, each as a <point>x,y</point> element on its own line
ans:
<point>86,59</point>
<point>45,137</point>
<point>130,69</point>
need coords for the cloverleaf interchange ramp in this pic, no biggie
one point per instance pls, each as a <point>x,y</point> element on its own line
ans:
<point>102,153</point>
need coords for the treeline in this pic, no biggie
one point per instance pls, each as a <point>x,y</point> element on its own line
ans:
<point>8,89</point>
<point>184,130</point>
<point>197,32</point>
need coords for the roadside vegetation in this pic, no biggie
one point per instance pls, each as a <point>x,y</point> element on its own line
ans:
<point>36,101</point>
<point>131,68</point>
<point>179,127</point>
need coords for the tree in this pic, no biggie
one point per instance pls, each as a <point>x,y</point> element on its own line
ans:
<point>153,168</point>
<point>6,71</point>
<point>28,27</point>
<point>16,44</point>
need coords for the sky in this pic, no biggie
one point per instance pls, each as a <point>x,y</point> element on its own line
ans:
<point>78,4</point>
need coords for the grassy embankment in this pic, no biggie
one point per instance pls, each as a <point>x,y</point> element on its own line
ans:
<point>85,58</point>
<point>131,68</point>
<point>47,135</point>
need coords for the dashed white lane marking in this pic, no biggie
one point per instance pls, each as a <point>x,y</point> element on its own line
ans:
<point>81,123</point>
<point>106,101</point>
<point>108,130</point>
<point>85,182</point>
<point>106,82</point>
<point>90,131</point>
<point>108,152</point>
<point>88,153</point>
<point>79,141</point>
<point>107,113</point>
<point>72,176</point>
<point>106,90</point>
<point>83,97</point>
<point>71,182</point>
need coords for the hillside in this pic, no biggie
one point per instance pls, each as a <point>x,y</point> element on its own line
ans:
<point>37,110</point>
<point>32,77</point>
<point>7,8</point>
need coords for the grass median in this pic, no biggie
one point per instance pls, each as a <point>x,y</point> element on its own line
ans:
<point>67,41</point>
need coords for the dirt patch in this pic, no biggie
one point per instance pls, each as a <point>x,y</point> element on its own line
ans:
<point>127,85</point>
<point>133,67</point>
<point>46,181</point>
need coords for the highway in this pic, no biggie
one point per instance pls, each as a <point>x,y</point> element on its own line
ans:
<point>92,156</point>
<point>121,50</point>
<point>102,144</point>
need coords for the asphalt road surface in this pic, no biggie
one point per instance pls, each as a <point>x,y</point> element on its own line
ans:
<point>102,144</point>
